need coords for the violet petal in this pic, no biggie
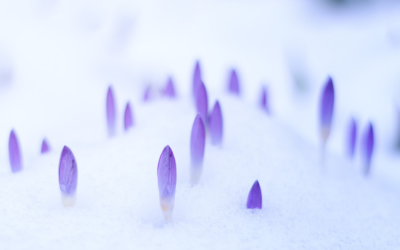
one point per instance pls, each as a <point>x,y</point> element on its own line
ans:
<point>352,137</point>
<point>264,100</point>
<point>67,173</point>
<point>128,120</point>
<point>196,78</point>
<point>233,86</point>
<point>202,102</point>
<point>111,113</point>
<point>166,175</point>
<point>45,146</point>
<point>254,200</point>
<point>170,89</point>
<point>368,145</point>
<point>197,144</point>
<point>14,152</point>
<point>326,108</point>
<point>216,124</point>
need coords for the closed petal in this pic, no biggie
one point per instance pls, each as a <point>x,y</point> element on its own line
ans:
<point>233,85</point>
<point>368,145</point>
<point>254,200</point>
<point>166,174</point>
<point>352,138</point>
<point>326,108</point>
<point>111,113</point>
<point>196,78</point>
<point>170,89</point>
<point>128,120</point>
<point>45,147</point>
<point>197,142</point>
<point>202,102</point>
<point>216,125</point>
<point>14,153</point>
<point>67,172</point>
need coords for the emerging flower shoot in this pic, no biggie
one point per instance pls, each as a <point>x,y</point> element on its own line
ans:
<point>197,144</point>
<point>68,177</point>
<point>45,147</point>
<point>254,200</point>
<point>128,120</point>
<point>326,109</point>
<point>352,138</point>
<point>14,153</point>
<point>111,113</point>
<point>216,125</point>
<point>368,147</point>
<point>202,103</point>
<point>196,78</point>
<point>169,90</point>
<point>264,103</point>
<point>233,85</point>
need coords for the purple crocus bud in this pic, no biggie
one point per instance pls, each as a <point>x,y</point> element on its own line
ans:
<point>68,177</point>
<point>368,146</point>
<point>196,78</point>
<point>202,102</point>
<point>166,174</point>
<point>254,200</point>
<point>264,100</point>
<point>215,124</point>
<point>147,94</point>
<point>326,109</point>
<point>233,86</point>
<point>111,113</point>
<point>352,137</point>
<point>170,89</point>
<point>197,144</point>
<point>45,147</point>
<point>14,152</point>
<point>128,120</point>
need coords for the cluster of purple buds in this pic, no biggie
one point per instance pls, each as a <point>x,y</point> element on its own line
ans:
<point>68,177</point>
<point>14,152</point>
<point>326,109</point>
<point>254,200</point>
<point>368,147</point>
<point>45,147</point>
<point>111,112</point>
<point>197,145</point>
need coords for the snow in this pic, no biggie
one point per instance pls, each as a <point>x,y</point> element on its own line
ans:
<point>63,57</point>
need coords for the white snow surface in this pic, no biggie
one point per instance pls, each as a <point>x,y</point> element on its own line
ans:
<point>63,56</point>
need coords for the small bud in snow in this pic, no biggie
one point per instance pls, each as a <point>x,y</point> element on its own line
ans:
<point>196,78</point>
<point>111,113</point>
<point>352,137</point>
<point>45,147</point>
<point>14,153</point>
<point>147,94</point>
<point>254,200</point>
<point>264,100</point>
<point>166,174</point>
<point>68,177</point>
<point>170,89</point>
<point>202,102</point>
<point>197,144</point>
<point>233,86</point>
<point>128,120</point>
<point>216,124</point>
<point>326,109</point>
<point>368,147</point>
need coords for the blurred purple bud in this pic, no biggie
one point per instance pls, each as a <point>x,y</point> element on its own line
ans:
<point>196,78</point>
<point>68,176</point>
<point>45,146</point>
<point>352,137</point>
<point>147,94</point>
<point>14,153</point>
<point>202,102</point>
<point>166,174</point>
<point>128,120</point>
<point>233,86</point>
<point>111,114</point>
<point>368,145</point>
<point>197,144</point>
<point>170,89</point>
<point>254,200</point>
<point>264,99</point>
<point>216,124</point>
<point>326,108</point>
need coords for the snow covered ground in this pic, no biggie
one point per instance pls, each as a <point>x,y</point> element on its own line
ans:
<point>63,55</point>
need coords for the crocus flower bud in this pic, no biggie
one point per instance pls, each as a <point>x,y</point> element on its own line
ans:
<point>368,147</point>
<point>166,174</point>
<point>147,94</point>
<point>111,113</point>
<point>264,100</point>
<point>352,138</point>
<point>254,200</point>
<point>45,147</point>
<point>233,86</point>
<point>326,109</point>
<point>196,78</point>
<point>68,177</point>
<point>202,103</point>
<point>128,120</point>
<point>215,125</point>
<point>14,153</point>
<point>197,144</point>
<point>170,89</point>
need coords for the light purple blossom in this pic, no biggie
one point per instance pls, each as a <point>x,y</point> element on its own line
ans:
<point>352,137</point>
<point>68,176</point>
<point>326,109</point>
<point>128,120</point>
<point>202,102</point>
<point>14,153</point>
<point>45,147</point>
<point>264,103</point>
<point>111,113</point>
<point>254,200</point>
<point>216,124</point>
<point>368,147</point>
<point>196,78</point>
<point>197,144</point>
<point>233,86</point>
<point>170,89</point>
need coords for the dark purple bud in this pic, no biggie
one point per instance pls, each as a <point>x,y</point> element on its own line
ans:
<point>196,78</point>
<point>68,176</point>
<point>111,113</point>
<point>326,109</point>
<point>264,100</point>
<point>166,174</point>
<point>255,197</point>
<point>234,83</point>
<point>368,145</point>
<point>45,146</point>
<point>352,137</point>
<point>215,124</point>
<point>202,102</point>
<point>128,120</point>
<point>14,153</point>
<point>147,94</point>
<point>170,89</point>
<point>197,144</point>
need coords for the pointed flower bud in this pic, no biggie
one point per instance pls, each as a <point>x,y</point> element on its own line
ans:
<point>196,78</point>
<point>368,147</point>
<point>233,86</point>
<point>111,113</point>
<point>197,144</point>
<point>352,137</point>
<point>128,120</point>
<point>45,147</point>
<point>216,124</point>
<point>14,152</point>
<point>68,177</point>
<point>147,94</point>
<point>166,174</point>
<point>326,109</point>
<point>264,100</point>
<point>254,200</point>
<point>202,102</point>
<point>170,89</point>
